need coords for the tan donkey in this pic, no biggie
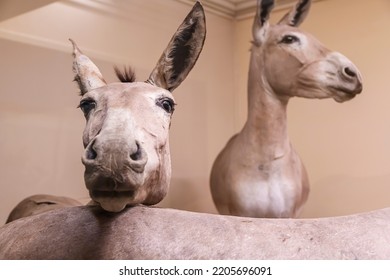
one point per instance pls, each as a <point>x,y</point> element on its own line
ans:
<point>258,173</point>
<point>142,232</point>
<point>40,203</point>
<point>127,157</point>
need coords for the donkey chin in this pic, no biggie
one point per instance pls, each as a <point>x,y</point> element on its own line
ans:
<point>342,94</point>
<point>113,194</point>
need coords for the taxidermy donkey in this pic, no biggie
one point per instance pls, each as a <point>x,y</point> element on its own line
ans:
<point>258,173</point>
<point>127,157</point>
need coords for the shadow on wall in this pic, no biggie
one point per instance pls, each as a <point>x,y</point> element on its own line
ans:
<point>343,195</point>
<point>188,194</point>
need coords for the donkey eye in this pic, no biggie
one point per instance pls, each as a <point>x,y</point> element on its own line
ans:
<point>87,106</point>
<point>167,104</point>
<point>289,39</point>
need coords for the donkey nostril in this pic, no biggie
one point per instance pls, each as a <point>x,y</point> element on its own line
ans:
<point>138,158</point>
<point>349,72</point>
<point>137,155</point>
<point>90,152</point>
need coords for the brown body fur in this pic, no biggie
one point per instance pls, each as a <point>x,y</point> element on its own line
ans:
<point>151,233</point>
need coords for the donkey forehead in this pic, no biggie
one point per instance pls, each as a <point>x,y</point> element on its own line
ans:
<point>126,94</point>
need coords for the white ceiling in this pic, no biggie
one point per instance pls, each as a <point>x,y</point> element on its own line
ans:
<point>237,9</point>
<point>22,20</point>
<point>233,9</point>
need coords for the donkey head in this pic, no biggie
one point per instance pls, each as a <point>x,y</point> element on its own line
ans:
<point>294,63</point>
<point>127,157</point>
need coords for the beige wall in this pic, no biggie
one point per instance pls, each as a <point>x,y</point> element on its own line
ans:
<point>344,146</point>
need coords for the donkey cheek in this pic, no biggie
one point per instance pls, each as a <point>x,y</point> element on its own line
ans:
<point>156,195</point>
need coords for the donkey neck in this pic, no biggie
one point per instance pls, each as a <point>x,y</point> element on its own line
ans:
<point>265,130</point>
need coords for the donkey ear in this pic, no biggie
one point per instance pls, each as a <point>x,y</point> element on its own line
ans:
<point>87,75</point>
<point>182,51</point>
<point>260,24</point>
<point>297,14</point>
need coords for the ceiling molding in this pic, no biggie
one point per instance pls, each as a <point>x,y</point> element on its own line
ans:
<point>230,9</point>
<point>237,9</point>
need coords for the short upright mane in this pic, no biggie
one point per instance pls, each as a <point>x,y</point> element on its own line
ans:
<point>127,75</point>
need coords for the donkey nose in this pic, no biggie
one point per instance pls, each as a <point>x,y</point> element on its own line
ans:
<point>347,71</point>
<point>351,75</point>
<point>112,153</point>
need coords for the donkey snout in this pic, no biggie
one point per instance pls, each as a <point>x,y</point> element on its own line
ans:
<point>350,78</point>
<point>115,155</point>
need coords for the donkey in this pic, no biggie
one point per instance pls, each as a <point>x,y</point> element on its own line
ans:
<point>126,156</point>
<point>40,203</point>
<point>258,173</point>
<point>146,232</point>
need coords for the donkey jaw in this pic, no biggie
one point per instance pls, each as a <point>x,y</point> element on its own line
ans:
<point>342,96</point>
<point>342,93</point>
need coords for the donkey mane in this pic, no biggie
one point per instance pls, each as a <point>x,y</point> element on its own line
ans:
<point>127,75</point>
